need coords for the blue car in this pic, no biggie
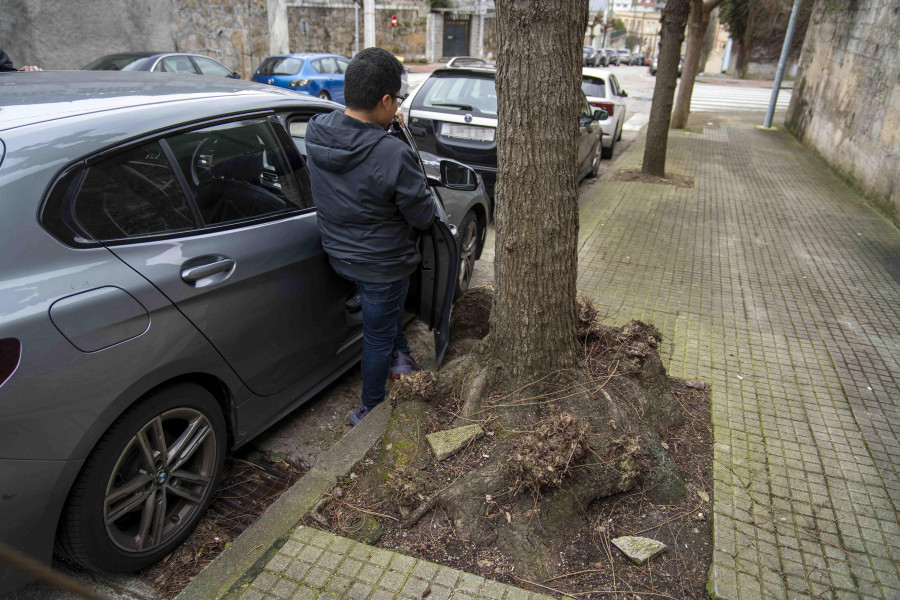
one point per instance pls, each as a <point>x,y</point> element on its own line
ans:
<point>319,75</point>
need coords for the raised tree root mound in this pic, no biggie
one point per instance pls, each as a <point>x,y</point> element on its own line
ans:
<point>519,495</point>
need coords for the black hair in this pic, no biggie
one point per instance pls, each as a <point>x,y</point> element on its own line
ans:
<point>371,74</point>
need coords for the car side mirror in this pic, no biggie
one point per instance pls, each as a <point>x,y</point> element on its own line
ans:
<point>600,115</point>
<point>235,75</point>
<point>457,176</point>
<point>624,94</point>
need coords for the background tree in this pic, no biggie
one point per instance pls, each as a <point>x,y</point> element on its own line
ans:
<point>673,20</point>
<point>757,28</point>
<point>698,22</point>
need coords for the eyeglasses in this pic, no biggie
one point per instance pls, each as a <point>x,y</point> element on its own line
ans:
<point>399,97</point>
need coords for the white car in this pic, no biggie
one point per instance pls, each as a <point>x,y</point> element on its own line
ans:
<point>602,90</point>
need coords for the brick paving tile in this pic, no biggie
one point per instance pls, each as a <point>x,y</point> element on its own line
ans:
<point>773,281</point>
<point>318,565</point>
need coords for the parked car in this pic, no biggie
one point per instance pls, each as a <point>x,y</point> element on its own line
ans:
<point>654,65</point>
<point>603,91</point>
<point>164,297</point>
<point>639,59</point>
<point>593,56</point>
<point>624,58</point>
<point>319,75</point>
<point>162,62</point>
<point>453,114</point>
<point>612,57</point>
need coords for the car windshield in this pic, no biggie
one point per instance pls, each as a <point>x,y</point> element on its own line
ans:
<point>280,65</point>
<point>594,87</point>
<point>462,93</point>
<point>113,63</point>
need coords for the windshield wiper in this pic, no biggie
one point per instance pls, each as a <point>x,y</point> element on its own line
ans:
<point>453,105</point>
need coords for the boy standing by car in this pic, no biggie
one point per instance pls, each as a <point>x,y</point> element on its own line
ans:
<point>371,199</point>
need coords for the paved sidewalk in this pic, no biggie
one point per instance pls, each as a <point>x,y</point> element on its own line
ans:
<point>774,282</point>
<point>314,564</point>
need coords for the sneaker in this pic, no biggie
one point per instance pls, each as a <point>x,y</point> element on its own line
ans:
<point>357,415</point>
<point>402,364</point>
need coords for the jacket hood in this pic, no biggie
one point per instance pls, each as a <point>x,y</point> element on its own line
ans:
<point>338,143</point>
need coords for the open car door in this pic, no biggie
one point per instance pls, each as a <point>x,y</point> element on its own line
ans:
<point>431,287</point>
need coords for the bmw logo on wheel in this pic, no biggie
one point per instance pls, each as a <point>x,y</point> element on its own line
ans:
<point>468,118</point>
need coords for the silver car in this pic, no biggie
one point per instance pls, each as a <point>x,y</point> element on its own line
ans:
<point>164,297</point>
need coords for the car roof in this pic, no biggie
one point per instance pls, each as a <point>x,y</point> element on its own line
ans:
<point>595,72</point>
<point>482,70</point>
<point>32,98</point>
<point>309,55</point>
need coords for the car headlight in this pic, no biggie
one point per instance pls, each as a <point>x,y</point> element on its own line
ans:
<point>299,82</point>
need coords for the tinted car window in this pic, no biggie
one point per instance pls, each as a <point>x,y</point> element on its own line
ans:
<point>112,63</point>
<point>275,65</point>
<point>342,65</point>
<point>235,171</point>
<point>318,66</point>
<point>594,87</point>
<point>462,93</point>
<point>134,193</point>
<point>208,66</point>
<point>176,64</point>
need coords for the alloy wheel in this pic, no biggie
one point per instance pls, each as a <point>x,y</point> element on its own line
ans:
<point>467,255</point>
<point>160,480</point>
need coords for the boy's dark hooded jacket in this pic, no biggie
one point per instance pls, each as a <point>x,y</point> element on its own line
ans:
<point>370,195</point>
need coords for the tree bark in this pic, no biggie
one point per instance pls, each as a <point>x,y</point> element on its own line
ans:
<point>698,22</point>
<point>539,103</point>
<point>674,18</point>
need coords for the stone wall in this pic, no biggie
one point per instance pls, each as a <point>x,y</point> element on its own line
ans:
<point>234,32</point>
<point>69,35</point>
<point>846,100</point>
<point>331,29</point>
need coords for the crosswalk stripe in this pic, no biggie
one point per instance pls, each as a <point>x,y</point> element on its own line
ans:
<point>714,97</point>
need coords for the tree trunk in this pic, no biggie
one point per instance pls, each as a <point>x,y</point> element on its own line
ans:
<point>539,103</point>
<point>698,22</point>
<point>746,45</point>
<point>674,17</point>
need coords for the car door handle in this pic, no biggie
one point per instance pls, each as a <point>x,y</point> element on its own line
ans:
<point>195,274</point>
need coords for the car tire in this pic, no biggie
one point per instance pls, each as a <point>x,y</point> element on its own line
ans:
<point>619,137</point>
<point>468,235</point>
<point>608,152</point>
<point>117,528</point>
<point>595,161</point>
<point>324,95</point>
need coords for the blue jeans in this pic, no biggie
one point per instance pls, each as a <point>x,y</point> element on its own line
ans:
<point>382,314</point>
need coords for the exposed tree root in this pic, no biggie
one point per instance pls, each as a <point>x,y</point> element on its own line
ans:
<point>556,444</point>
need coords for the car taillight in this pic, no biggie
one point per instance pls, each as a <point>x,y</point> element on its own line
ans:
<point>299,82</point>
<point>10,350</point>
<point>607,106</point>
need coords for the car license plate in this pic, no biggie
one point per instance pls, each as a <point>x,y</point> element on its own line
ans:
<point>468,132</point>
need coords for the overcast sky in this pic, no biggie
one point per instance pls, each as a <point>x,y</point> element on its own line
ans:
<point>597,5</point>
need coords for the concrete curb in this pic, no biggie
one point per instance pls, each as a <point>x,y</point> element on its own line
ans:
<point>239,560</point>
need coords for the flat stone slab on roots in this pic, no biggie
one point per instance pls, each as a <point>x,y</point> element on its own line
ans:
<point>638,549</point>
<point>446,443</point>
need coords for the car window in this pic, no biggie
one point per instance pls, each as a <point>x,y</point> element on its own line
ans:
<point>276,65</point>
<point>134,193</point>
<point>342,65</point>
<point>585,108</point>
<point>476,94</point>
<point>318,66</point>
<point>208,66</point>
<point>176,64</point>
<point>235,171</point>
<point>330,65</point>
<point>614,85</point>
<point>594,87</point>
